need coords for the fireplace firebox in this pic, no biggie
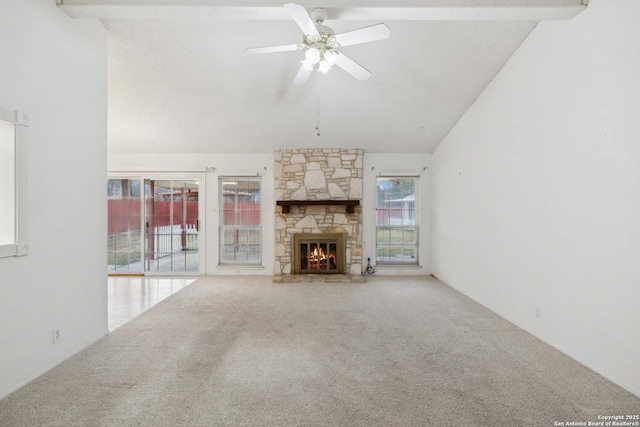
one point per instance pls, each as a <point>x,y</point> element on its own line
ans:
<point>318,253</point>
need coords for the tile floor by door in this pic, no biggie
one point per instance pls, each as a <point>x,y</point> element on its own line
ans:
<point>130,296</point>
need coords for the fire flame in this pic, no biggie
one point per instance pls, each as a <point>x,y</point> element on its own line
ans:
<point>319,255</point>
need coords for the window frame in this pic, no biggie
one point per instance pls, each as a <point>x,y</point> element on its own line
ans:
<point>20,245</point>
<point>415,226</point>
<point>222,228</point>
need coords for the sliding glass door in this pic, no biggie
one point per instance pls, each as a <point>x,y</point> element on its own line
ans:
<point>154,224</point>
<point>171,225</point>
<point>124,226</point>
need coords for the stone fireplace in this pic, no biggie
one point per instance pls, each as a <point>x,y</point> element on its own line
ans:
<point>318,218</point>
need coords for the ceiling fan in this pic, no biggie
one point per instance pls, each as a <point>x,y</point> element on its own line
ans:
<point>321,44</point>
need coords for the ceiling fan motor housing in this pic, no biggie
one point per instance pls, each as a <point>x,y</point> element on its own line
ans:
<point>325,30</point>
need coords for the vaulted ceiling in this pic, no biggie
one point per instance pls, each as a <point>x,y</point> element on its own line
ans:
<point>181,81</point>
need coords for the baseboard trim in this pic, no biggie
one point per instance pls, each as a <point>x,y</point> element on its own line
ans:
<point>50,367</point>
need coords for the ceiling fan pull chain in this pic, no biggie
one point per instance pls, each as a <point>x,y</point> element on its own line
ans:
<point>318,113</point>
<point>317,105</point>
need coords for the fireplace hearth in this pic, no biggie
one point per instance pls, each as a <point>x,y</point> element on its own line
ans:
<point>318,253</point>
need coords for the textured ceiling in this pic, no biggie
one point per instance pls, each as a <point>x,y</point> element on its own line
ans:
<point>187,85</point>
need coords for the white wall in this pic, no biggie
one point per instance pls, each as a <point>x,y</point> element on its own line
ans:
<point>537,191</point>
<point>54,69</point>
<point>413,163</point>
<point>224,165</point>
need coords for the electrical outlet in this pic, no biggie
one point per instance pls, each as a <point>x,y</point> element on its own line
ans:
<point>56,335</point>
<point>538,312</point>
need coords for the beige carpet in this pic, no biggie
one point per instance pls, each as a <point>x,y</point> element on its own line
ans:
<point>242,351</point>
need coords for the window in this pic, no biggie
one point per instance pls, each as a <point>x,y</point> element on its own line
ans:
<point>240,226</point>
<point>397,220</point>
<point>13,183</point>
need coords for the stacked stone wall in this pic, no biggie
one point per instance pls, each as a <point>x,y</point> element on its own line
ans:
<point>318,174</point>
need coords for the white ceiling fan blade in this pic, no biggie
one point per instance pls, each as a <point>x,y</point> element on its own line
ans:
<point>302,18</point>
<point>351,67</point>
<point>364,35</point>
<point>303,76</point>
<point>272,49</point>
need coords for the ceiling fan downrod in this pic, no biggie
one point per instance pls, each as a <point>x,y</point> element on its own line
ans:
<point>319,15</point>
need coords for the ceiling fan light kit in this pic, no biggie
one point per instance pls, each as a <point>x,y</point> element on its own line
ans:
<point>321,44</point>
<point>321,50</point>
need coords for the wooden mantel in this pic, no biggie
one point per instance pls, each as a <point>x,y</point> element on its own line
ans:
<point>350,204</point>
